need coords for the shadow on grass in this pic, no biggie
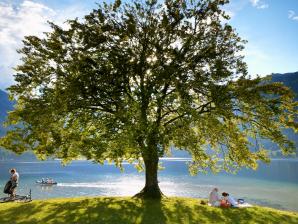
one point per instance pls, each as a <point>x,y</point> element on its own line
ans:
<point>97,210</point>
<point>184,213</point>
<point>126,210</point>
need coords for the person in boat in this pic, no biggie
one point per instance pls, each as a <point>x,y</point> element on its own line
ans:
<point>214,198</point>
<point>49,181</point>
<point>14,178</point>
<point>46,181</point>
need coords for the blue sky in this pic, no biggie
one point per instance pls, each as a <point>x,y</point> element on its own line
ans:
<point>269,26</point>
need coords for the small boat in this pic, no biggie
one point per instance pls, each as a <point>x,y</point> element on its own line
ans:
<point>46,182</point>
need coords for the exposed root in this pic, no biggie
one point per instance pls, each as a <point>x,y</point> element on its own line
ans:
<point>150,192</point>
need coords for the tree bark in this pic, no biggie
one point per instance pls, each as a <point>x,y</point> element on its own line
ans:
<point>151,189</point>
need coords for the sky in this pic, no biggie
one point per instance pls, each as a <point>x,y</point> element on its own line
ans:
<point>269,26</point>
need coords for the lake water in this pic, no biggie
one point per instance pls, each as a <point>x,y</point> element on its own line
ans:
<point>274,185</point>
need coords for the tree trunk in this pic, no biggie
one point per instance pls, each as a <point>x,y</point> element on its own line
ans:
<point>151,189</point>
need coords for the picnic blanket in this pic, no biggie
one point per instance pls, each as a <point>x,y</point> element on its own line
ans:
<point>244,205</point>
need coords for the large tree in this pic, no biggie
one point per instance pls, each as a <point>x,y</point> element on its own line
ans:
<point>131,80</point>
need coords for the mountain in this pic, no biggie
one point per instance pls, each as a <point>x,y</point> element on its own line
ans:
<point>5,106</point>
<point>289,79</point>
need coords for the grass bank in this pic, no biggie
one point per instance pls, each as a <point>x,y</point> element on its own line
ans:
<point>118,210</point>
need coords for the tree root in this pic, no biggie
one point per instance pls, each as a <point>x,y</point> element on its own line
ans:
<point>152,192</point>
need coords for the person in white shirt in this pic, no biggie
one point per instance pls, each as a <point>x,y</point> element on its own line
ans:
<point>14,181</point>
<point>214,198</point>
<point>229,199</point>
<point>232,201</point>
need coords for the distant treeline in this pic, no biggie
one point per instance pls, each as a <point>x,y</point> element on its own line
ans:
<point>7,155</point>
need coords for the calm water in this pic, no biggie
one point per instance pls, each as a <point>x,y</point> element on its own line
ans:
<point>273,185</point>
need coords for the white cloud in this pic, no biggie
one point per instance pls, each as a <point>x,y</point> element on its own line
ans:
<point>27,18</point>
<point>257,59</point>
<point>234,7</point>
<point>259,4</point>
<point>292,15</point>
<point>256,52</point>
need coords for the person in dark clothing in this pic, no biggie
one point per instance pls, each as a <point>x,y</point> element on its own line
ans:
<point>14,182</point>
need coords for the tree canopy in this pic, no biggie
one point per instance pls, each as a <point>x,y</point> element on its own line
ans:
<point>131,80</point>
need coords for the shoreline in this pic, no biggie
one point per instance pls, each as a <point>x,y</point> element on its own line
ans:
<point>274,186</point>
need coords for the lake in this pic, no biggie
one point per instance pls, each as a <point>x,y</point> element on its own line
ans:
<point>273,185</point>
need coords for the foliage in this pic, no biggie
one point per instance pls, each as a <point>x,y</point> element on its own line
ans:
<point>133,79</point>
<point>126,210</point>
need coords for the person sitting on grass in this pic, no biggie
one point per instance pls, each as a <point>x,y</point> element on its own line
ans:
<point>214,198</point>
<point>228,201</point>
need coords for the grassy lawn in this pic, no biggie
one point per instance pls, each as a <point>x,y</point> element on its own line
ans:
<point>119,210</point>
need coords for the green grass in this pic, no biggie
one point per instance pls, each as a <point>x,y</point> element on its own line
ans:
<point>119,210</point>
